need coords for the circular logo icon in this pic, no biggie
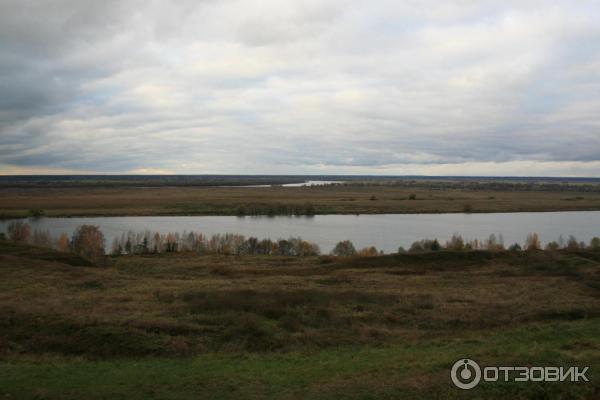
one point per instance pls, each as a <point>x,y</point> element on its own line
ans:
<point>465,374</point>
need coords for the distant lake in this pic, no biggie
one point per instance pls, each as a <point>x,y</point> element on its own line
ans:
<point>385,231</point>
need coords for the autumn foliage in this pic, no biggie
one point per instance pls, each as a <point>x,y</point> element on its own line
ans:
<point>88,242</point>
<point>18,231</point>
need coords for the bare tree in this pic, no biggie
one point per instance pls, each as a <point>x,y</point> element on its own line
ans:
<point>494,244</point>
<point>18,231</point>
<point>88,242</point>
<point>532,242</point>
<point>572,243</point>
<point>116,248</point>
<point>368,252</point>
<point>41,238</point>
<point>456,242</point>
<point>62,243</point>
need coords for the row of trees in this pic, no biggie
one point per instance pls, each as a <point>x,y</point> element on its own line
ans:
<point>88,241</point>
<point>496,243</point>
<point>346,248</point>
<point>229,243</point>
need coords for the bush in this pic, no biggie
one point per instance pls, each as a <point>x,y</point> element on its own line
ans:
<point>514,247</point>
<point>412,196</point>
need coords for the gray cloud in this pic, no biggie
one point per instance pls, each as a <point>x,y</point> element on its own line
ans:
<point>300,87</point>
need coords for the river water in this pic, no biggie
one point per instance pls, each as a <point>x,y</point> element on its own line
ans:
<point>385,231</point>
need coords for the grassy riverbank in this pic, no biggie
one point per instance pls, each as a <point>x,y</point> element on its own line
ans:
<point>189,326</point>
<point>350,199</point>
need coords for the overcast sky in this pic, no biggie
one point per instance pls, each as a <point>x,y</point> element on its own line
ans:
<point>307,87</point>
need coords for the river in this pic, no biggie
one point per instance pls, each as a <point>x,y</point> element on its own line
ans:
<point>385,231</point>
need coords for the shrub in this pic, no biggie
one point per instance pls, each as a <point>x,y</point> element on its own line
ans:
<point>514,247</point>
<point>595,244</point>
<point>552,246</point>
<point>412,196</point>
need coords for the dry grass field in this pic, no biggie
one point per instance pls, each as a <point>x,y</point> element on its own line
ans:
<point>189,326</point>
<point>351,199</point>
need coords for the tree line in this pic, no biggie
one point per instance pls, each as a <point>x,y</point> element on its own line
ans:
<point>496,243</point>
<point>88,241</point>
<point>228,244</point>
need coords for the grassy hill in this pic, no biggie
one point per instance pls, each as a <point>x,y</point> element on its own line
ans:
<point>186,326</point>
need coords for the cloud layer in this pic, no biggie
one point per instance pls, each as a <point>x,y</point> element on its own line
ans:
<point>423,87</point>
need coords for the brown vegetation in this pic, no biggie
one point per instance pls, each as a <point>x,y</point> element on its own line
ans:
<point>88,242</point>
<point>17,202</point>
<point>188,304</point>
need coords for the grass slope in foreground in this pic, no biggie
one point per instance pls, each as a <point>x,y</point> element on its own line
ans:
<point>186,326</point>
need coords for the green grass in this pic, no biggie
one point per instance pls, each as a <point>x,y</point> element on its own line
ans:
<point>398,371</point>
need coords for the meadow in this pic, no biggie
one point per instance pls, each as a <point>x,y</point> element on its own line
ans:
<point>183,325</point>
<point>355,198</point>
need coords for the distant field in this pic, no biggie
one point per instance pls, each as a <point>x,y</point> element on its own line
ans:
<point>344,199</point>
<point>536,183</point>
<point>183,326</point>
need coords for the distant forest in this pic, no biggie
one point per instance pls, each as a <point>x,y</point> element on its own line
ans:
<point>466,182</point>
